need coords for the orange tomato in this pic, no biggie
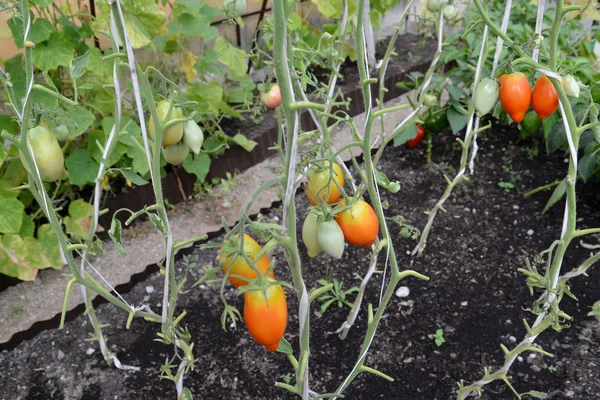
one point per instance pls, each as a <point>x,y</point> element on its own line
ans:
<point>237,264</point>
<point>359,223</point>
<point>544,98</point>
<point>515,95</point>
<point>266,316</point>
<point>322,183</point>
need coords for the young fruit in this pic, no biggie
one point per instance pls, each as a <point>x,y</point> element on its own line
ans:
<point>173,133</point>
<point>515,95</point>
<point>175,154</point>
<point>192,136</point>
<point>359,223</point>
<point>310,230</point>
<point>531,124</point>
<point>266,316</point>
<point>323,183</point>
<point>272,99</point>
<point>486,96</point>
<point>237,263</point>
<point>429,100</point>
<point>450,12</point>
<point>544,98</point>
<point>433,5</point>
<point>412,143</point>
<point>234,7</point>
<point>331,238</point>
<point>47,154</point>
<point>571,86</point>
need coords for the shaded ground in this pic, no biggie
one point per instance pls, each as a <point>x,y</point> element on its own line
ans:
<point>475,295</point>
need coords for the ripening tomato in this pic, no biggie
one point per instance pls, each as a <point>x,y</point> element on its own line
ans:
<point>173,133</point>
<point>359,223</point>
<point>544,98</point>
<point>412,143</point>
<point>515,95</point>
<point>322,184</point>
<point>331,238</point>
<point>238,265</point>
<point>486,96</point>
<point>310,230</point>
<point>266,316</point>
<point>47,153</point>
<point>272,99</point>
<point>175,154</point>
<point>193,136</point>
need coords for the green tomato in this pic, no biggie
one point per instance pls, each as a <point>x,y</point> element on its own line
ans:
<point>47,154</point>
<point>486,96</point>
<point>173,133</point>
<point>450,12</point>
<point>531,124</point>
<point>175,154</point>
<point>429,100</point>
<point>331,238</point>
<point>310,230</point>
<point>234,7</point>
<point>192,136</point>
<point>571,86</point>
<point>434,5</point>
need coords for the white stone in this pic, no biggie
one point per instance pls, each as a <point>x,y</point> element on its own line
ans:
<point>402,291</point>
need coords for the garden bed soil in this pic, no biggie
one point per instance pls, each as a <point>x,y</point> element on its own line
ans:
<point>476,295</point>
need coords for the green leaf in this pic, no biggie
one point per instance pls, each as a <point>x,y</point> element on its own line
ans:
<point>208,95</point>
<point>2,154</point>
<point>157,222</point>
<point>45,100</point>
<point>233,57</point>
<point>49,244</point>
<point>42,3</point>
<point>98,66</point>
<point>535,393</point>
<point>13,253</point>
<point>115,233</point>
<point>143,19</point>
<point>133,177</point>
<point>588,164</point>
<point>457,120</point>
<point>407,133</point>
<point>15,24</point>
<point>199,167</point>
<point>79,220</point>
<point>284,346</point>
<point>78,66</point>
<point>41,30</point>
<point>186,394</point>
<point>55,52</point>
<point>243,141</point>
<point>81,167</point>
<point>383,181</point>
<point>554,132</point>
<point>11,215</point>
<point>27,227</point>
<point>77,119</point>
<point>558,194</point>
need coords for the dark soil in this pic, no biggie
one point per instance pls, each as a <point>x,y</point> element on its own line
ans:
<point>476,295</point>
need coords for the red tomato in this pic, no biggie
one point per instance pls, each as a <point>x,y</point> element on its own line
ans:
<point>272,99</point>
<point>544,98</point>
<point>359,223</point>
<point>238,265</point>
<point>412,143</point>
<point>515,95</point>
<point>266,317</point>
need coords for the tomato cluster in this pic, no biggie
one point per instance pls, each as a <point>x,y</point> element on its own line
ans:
<point>265,312</point>
<point>355,222</point>
<point>178,137</point>
<point>516,96</point>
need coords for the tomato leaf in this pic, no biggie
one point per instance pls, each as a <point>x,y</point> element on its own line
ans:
<point>133,177</point>
<point>81,167</point>
<point>198,167</point>
<point>243,141</point>
<point>407,133</point>
<point>457,120</point>
<point>558,194</point>
<point>284,347</point>
<point>11,215</point>
<point>588,164</point>
<point>383,181</point>
<point>115,233</point>
<point>53,53</point>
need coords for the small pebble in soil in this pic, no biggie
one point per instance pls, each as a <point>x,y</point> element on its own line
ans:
<point>60,355</point>
<point>515,207</point>
<point>402,291</point>
<point>570,393</point>
<point>535,368</point>
<point>512,339</point>
<point>90,351</point>
<point>464,304</point>
<point>520,359</point>
<point>149,289</point>
<point>530,232</point>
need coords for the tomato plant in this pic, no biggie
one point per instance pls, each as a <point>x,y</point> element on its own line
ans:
<point>330,238</point>
<point>544,97</point>
<point>515,95</point>
<point>358,222</point>
<point>175,154</point>
<point>414,142</point>
<point>47,153</point>
<point>266,315</point>
<point>240,272</point>
<point>324,183</point>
